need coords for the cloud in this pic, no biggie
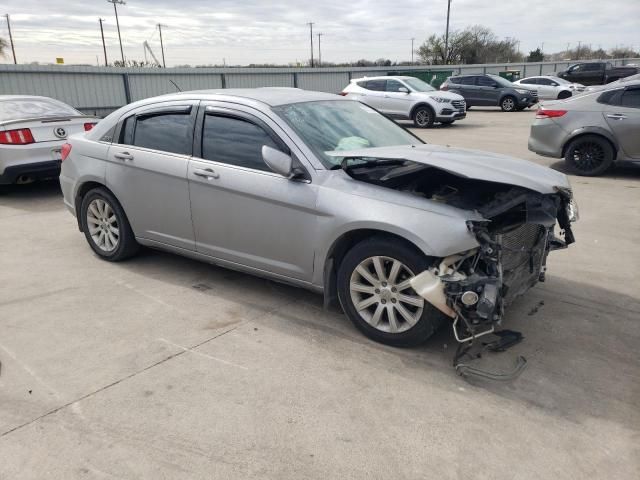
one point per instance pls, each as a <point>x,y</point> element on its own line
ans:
<point>252,31</point>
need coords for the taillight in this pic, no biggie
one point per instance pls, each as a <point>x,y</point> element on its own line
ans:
<point>544,113</point>
<point>444,87</point>
<point>89,126</point>
<point>21,136</point>
<point>344,94</point>
<point>65,151</point>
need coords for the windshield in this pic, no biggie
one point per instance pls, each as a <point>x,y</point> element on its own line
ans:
<point>331,125</point>
<point>418,85</point>
<point>19,108</point>
<point>503,82</point>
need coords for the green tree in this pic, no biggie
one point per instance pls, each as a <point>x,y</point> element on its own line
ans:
<point>535,56</point>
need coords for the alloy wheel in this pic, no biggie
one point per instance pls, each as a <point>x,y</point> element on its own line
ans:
<point>382,296</point>
<point>588,156</point>
<point>508,104</point>
<point>103,225</point>
<point>423,117</point>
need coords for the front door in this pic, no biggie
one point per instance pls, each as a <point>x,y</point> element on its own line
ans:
<point>397,103</point>
<point>488,91</point>
<point>624,121</point>
<point>242,211</point>
<point>147,171</point>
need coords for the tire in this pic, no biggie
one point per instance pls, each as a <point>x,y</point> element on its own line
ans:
<point>589,155</point>
<point>564,94</point>
<point>425,319</point>
<point>423,117</point>
<point>106,227</point>
<point>508,104</point>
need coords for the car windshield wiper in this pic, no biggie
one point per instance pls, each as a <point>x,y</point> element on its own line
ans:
<point>370,163</point>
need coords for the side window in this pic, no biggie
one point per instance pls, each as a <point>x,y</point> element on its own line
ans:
<point>486,82</point>
<point>592,67</point>
<point>530,81</point>
<point>467,81</point>
<point>362,83</point>
<point>631,98</point>
<point>610,97</point>
<point>235,141</point>
<point>546,81</point>
<point>394,86</point>
<point>108,137</point>
<point>167,132</point>
<point>377,85</point>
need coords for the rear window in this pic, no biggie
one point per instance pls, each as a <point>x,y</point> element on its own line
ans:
<point>19,108</point>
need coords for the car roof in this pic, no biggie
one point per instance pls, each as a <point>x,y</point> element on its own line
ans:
<point>272,96</point>
<point>4,98</point>
<point>384,77</point>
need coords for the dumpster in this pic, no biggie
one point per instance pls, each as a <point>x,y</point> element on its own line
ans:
<point>511,75</point>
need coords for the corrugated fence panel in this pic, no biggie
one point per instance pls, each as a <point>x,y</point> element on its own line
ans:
<point>152,84</point>
<point>333,82</point>
<point>81,90</point>
<point>255,80</point>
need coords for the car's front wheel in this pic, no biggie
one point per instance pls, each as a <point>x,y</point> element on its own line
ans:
<point>508,104</point>
<point>106,227</point>
<point>423,117</point>
<point>589,155</point>
<point>374,291</point>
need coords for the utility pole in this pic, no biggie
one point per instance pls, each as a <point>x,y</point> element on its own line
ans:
<point>104,47</point>
<point>13,50</point>
<point>311,37</point>
<point>578,51</point>
<point>115,9</point>
<point>412,39</point>
<point>164,65</point>
<point>446,35</point>
<point>319,51</point>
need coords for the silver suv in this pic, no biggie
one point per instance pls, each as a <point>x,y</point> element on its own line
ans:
<point>324,193</point>
<point>407,98</point>
<point>590,131</point>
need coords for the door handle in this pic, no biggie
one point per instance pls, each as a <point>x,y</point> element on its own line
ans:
<point>616,116</point>
<point>207,173</point>
<point>123,156</point>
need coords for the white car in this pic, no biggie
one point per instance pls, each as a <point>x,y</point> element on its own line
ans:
<point>32,132</point>
<point>407,98</point>
<point>550,87</point>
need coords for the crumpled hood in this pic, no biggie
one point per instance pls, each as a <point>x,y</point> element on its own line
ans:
<point>479,165</point>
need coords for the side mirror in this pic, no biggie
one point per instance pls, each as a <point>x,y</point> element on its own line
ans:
<point>277,161</point>
<point>403,89</point>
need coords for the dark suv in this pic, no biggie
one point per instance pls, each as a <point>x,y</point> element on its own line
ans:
<point>491,90</point>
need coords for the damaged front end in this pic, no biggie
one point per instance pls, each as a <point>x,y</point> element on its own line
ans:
<point>474,287</point>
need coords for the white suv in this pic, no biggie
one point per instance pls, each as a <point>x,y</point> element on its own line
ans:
<point>408,98</point>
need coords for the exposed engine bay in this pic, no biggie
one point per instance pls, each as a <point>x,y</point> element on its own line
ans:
<point>516,234</point>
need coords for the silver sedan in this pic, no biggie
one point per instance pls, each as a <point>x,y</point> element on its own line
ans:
<point>325,193</point>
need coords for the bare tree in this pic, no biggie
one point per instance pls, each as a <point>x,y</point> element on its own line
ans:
<point>3,47</point>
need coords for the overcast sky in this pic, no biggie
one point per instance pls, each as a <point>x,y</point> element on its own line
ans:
<point>261,31</point>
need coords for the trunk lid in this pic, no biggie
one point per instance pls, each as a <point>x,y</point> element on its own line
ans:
<point>53,129</point>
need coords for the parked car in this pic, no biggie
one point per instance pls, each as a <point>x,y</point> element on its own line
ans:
<point>32,132</point>
<point>590,131</point>
<point>596,73</point>
<point>616,84</point>
<point>407,98</point>
<point>549,87</point>
<point>491,90</point>
<point>322,192</point>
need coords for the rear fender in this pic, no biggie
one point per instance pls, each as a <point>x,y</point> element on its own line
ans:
<point>592,130</point>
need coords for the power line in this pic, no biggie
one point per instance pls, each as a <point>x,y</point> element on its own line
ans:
<point>164,65</point>
<point>104,47</point>
<point>311,37</point>
<point>115,9</point>
<point>13,49</point>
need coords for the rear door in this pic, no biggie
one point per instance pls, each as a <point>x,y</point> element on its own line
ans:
<point>624,120</point>
<point>467,88</point>
<point>376,90</point>
<point>147,171</point>
<point>547,89</point>
<point>396,103</point>
<point>243,212</point>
